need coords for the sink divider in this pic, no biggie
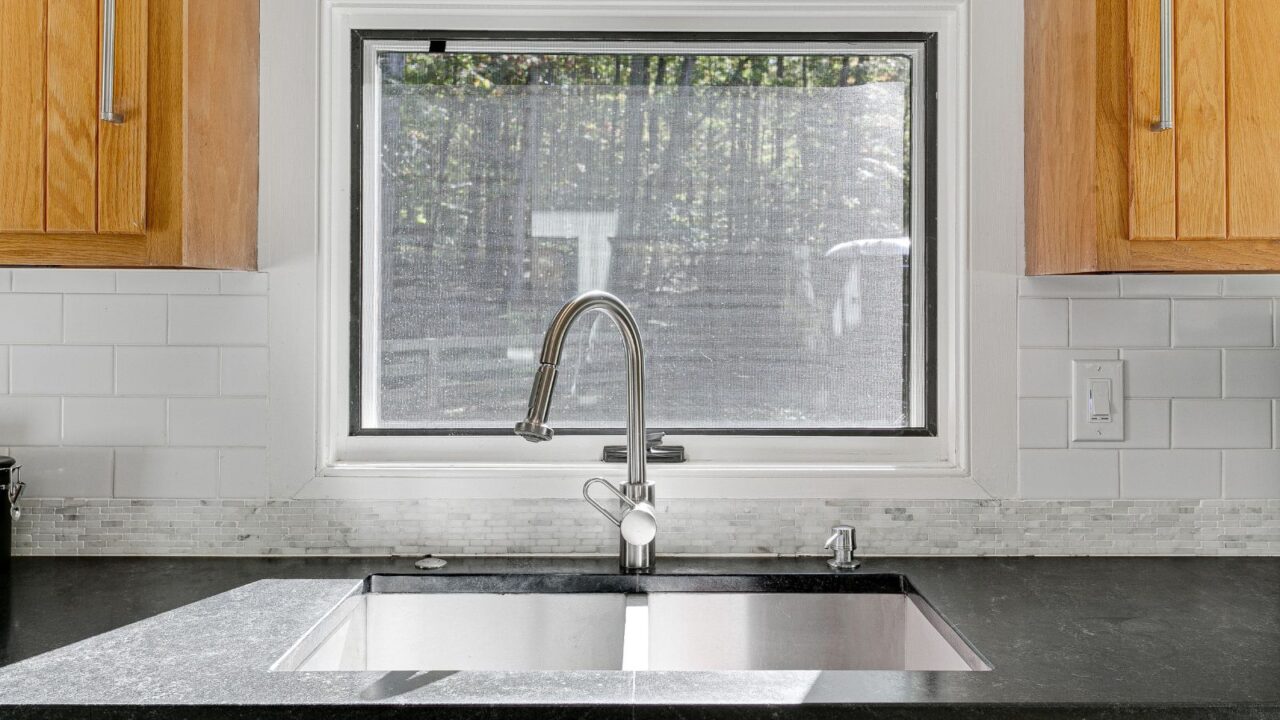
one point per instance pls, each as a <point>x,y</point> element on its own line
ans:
<point>635,633</point>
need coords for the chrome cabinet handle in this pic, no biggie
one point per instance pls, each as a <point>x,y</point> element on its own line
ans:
<point>107,103</point>
<point>1166,68</point>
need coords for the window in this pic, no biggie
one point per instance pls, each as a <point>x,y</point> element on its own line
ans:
<point>763,206</point>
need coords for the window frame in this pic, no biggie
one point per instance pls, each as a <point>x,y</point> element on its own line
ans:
<point>921,364</point>
<point>941,466</point>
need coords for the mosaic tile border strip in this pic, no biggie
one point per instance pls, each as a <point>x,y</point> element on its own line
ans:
<point>415,527</point>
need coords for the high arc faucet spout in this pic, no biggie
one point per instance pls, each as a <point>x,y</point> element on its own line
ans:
<point>534,427</point>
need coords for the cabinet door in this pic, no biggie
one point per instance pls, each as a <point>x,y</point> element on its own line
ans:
<point>1253,102</point>
<point>63,170</point>
<point>22,34</point>
<point>71,111</point>
<point>1178,177</point>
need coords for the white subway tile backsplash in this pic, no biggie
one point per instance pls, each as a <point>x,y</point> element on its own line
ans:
<point>1047,372</point>
<point>93,366</point>
<point>115,319</point>
<point>242,473</point>
<point>60,370</point>
<point>218,320</point>
<point>218,422</point>
<point>1167,286</point>
<point>1070,286</point>
<point>63,280</point>
<point>1146,426</point>
<point>30,420</point>
<point>27,318</point>
<point>1275,424</point>
<point>171,282</point>
<point>1042,322</point>
<point>244,371</point>
<point>1149,424</point>
<point>1222,424</point>
<point>1252,373</point>
<point>167,371</point>
<point>113,421</point>
<point>244,283</point>
<point>1202,381</point>
<point>201,430</point>
<point>1251,474</point>
<point>1119,323</point>
<point>1069,474</point>
<point>1222,323</point>
<point>1251,286</point>
<point>1173,373</point>
<point>1042,423</point>
<point>1170,474</point>
<point>62,472</point>
<point>166,473</point>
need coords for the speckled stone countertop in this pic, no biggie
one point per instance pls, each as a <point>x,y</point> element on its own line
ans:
<point>1068,637</point>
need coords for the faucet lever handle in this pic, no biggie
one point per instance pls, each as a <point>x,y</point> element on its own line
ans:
<point>639,523</point>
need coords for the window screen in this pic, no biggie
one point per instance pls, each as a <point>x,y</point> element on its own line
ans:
<point>759,207</point>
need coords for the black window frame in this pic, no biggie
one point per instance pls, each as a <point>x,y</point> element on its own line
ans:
<point>437,40</point>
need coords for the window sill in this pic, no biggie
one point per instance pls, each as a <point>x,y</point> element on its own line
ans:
<point>388,481</point>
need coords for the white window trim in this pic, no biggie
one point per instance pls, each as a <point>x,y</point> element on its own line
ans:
<point>319,460</point>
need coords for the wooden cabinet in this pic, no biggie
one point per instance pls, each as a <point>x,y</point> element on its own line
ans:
<point>173,182</point>
<point>1107,192</point>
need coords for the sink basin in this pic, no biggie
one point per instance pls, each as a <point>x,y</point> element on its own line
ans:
<point>606,622</point>
<point>800,631</point>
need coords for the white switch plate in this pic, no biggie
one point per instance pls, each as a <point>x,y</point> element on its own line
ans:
<point>1105,421</point>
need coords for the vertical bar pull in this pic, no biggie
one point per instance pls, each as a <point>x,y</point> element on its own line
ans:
<point>106,104</point>
<point>1166,68</point>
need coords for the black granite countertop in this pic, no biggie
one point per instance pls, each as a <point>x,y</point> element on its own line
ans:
<point>1068,638</point>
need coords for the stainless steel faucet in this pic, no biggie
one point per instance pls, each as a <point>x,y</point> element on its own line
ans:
<point>637,523</point>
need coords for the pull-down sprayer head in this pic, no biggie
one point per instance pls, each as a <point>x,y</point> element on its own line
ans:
<point>534,427</point>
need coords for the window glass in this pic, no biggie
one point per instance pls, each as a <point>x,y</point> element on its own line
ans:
<point>753,206</point>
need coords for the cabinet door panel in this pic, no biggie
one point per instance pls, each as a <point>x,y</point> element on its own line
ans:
<point>122,147</point>
<point>22,97</point>
<point>1253,111</point>
<point>1153,164</point>
<point>72,173</point>
<point>1200,126</point>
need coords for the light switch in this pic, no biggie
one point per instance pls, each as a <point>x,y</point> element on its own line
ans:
<point>1097,400</point>
<point>1099,396</point>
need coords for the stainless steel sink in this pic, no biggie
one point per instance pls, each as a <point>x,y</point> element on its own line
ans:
<point>673,623</point>
<point>465,631</point>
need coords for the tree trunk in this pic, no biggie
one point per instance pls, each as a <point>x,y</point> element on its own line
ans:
<point>530,135</point>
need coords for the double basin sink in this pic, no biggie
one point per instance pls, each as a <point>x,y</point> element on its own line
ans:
<point>549,622</point>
